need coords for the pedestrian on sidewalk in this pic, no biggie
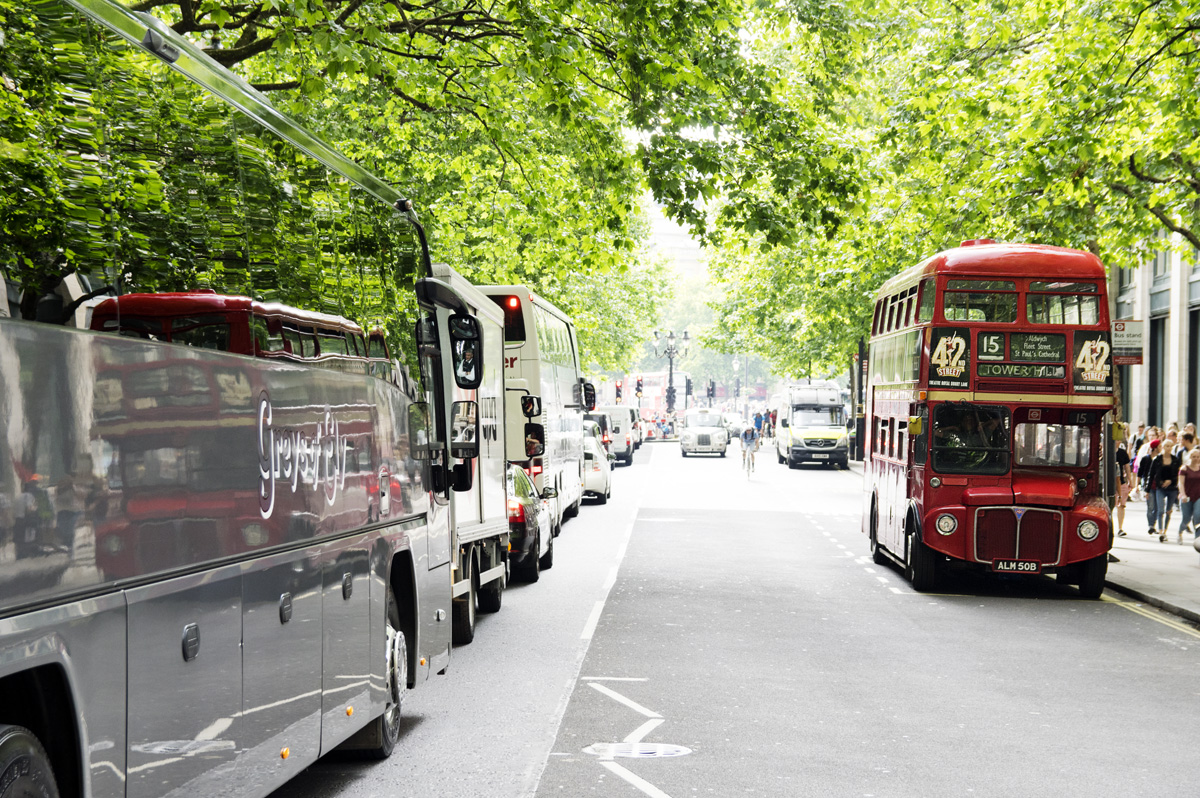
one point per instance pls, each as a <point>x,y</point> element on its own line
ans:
<point>1164,483</point>
<point>1187,442</point>
<point>1189,494</point>
<point>1124,481</point>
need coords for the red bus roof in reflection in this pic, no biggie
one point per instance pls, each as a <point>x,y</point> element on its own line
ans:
<point>1008,260</point>
<point>175,304</point>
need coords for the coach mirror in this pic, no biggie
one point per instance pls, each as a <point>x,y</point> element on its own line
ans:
<point>531,406</point>
<point>535,440</point>
<point>419,442</point>
<point>464,430</point>
<point>464,342</point>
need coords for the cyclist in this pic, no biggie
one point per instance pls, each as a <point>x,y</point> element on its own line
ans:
<point>749,438</point>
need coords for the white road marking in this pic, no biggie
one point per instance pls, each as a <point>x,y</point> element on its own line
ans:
<point>614,678</point>
<point>637,781</point>
<point>589,628</point>
<point>612,579</point>
<point>620,699</point>
<point>883,579</point>
<point>640,732</point>
<point>869,570</point>
<point>897,590</point>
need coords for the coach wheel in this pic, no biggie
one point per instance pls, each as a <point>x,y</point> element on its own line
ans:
<point>25,770</point>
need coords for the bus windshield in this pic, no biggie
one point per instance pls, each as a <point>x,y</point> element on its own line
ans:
<point>1053,445</point>
<point>814,416</point>
<point>970,438</point>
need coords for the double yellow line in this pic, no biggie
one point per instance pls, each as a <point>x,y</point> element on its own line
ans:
<point>1178,626</point>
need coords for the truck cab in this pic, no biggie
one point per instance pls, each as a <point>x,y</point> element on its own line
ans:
<point>812,427</point>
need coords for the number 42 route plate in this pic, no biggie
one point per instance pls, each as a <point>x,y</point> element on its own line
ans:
<point>1016,566</point>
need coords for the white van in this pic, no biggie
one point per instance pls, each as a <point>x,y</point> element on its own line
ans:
<point>623,418</point>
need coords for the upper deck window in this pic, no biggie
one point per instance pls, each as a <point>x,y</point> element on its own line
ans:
<point>1071,303</point>
<point>925,308</point>
<point>980,301</point>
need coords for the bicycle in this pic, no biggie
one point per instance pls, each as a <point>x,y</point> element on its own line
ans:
<point>748,457</point>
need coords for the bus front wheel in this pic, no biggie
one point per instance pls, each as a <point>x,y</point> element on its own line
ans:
<point>922,565</point>
<point>1091,577</point>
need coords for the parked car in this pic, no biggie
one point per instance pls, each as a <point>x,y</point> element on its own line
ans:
<point>701,432</point>
<point>531,539</point>
<point>597,471</point>
<point>621,430</point>
<point>605,423</point>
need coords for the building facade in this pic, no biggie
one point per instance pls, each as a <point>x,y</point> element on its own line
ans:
<point>1164,294</point>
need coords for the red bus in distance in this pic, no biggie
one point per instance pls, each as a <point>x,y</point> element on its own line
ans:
<point>990,383</point>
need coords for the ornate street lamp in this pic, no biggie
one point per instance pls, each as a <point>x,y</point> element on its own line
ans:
<point>670,351</point>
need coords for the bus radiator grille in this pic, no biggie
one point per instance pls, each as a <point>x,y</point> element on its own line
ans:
<point>1000,535</point>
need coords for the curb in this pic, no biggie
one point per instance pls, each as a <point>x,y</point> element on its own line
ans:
<point>1154,601</point>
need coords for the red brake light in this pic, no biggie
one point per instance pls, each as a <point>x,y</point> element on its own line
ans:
<point>513,302</point>
<point>516,511</point>
<point>606,439</point>
<point>628,439</point>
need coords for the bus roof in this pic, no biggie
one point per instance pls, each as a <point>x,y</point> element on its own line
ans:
<point>1003,260</point>
<point>172,304</point>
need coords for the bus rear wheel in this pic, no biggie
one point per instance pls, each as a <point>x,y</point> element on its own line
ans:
<point>25,770</point>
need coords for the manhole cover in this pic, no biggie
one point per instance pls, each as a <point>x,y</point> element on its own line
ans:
<point>636,750</point>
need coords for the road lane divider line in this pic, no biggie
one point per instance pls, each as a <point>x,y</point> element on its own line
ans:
<point>620,699</point>
<point>1152,615</point>
<point>612,579</point>
<point>614,678</point>
<point>638,734</point>
<point>635,780</point>
<point>589,628</point>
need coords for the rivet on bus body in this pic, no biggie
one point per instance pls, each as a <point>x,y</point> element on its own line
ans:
<point>285,753</point>
<point>349,711</point>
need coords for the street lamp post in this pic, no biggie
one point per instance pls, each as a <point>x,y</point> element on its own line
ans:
<point>670,352</point>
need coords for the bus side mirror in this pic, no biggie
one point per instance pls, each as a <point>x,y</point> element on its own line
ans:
<point>535,440</point>
<point>531,406</point>
<point>464,345</point>
<point>464,430</point>
<point>589,396</point>
<point>914,425</point>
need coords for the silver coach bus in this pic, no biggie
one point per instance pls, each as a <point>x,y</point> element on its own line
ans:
<point>214,567</point>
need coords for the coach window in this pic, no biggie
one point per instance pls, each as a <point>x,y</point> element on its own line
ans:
<point>204,332</point>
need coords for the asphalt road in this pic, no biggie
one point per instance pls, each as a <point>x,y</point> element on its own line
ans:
<point>747,645</point>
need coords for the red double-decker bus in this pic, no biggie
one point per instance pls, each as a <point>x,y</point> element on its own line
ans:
<point>990,385</point>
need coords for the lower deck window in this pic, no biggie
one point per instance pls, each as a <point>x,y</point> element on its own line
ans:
<point>970,439</point>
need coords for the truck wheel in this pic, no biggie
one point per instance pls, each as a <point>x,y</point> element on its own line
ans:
<point>546,562</point>
<point>25,770</point>
<point>464,613</point>
<point>491,595</point>
<point>1091,578</point>
<point>782,459</point>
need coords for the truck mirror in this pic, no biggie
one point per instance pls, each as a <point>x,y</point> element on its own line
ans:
<point>464,346</point>
<point>419,439</point>
<point>531,406</point>
<point>463,477</point>
<point>783,423</point>
<point>914,425</point>
<point>589,396</point>
<point>464,430</point>
<point>535,440</point>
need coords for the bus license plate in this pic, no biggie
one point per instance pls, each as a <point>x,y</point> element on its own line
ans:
<point>820,457</point>
<point>1016,566</point>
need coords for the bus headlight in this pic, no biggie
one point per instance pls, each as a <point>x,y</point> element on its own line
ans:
<point>946,524</point>
<point>1088,530</point>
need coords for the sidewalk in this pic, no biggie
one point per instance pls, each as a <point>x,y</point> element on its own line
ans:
<point>1163,575</point>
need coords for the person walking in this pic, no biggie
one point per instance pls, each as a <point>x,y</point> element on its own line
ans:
<point>1124,482</point>
<point>1189,493</point>
<point>1164,482</point>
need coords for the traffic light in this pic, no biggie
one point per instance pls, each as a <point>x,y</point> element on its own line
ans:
<point>687,391</point>
<point>618,390</point>
<point>712,389</point>
<point>639,386</point>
